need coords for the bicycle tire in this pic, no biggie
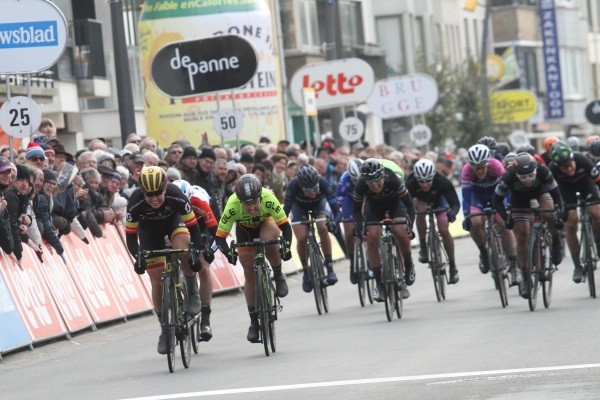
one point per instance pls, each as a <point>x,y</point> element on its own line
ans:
<point>497,270</point>
<point>398,283</point>
<point>588,259</point>
<point>435,264</point>
<point>168,316</point>
<point>321,277</point>
<point>359,271</point>
<point>535,260</point>
<point>312,270</point>
<point>195,333</point>
<point>370,283</point>
<point>548,274</point>
<point>272,320</point>
<point>261,308</point>
<point>185,343</point>
<point>388,283</point>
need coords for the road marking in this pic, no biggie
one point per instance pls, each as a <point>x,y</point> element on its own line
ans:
<point>363,382</point>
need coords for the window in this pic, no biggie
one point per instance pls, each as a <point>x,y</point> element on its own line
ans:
<point>391,38</point>
<point>131,15</point>
<point>309,24</point>
<point>531,72</point>
<point>467,38</point>
<point>573,72</point>
<point>351,23</point>
<point>419,35</point>
<point>288,26</point>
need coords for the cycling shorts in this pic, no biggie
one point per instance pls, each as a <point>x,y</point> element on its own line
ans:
<point>299,213</point>
<point>587,190</point>
<point>375,211</point>
<point>248,234</point>
<point>152,236</point>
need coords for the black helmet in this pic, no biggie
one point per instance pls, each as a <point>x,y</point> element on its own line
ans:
<point>488,141</point>
<point>560,153</point>
<point>524,164</point>
<point>371,170</point>
<point>502,149</point>
<point>529,149</point>
<point>248,188</point>
<point>308,176</point>
<point>595,148</point>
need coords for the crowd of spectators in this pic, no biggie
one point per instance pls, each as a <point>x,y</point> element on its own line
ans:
<point>48,191</point>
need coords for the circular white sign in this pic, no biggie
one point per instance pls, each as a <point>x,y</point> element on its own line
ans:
<point>20,117</point>
<point>518,138</point>
<point>33,36</point>
<point>420,134</point>
<point>351,129</point>
<point>228,122</point>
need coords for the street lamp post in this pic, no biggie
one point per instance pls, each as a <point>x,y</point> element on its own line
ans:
<point>483,78</point>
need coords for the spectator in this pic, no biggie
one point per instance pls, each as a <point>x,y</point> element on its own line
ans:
<point>221,153</point>
<point>173,174</point>
<point>5,231</point>
<point>43,211</point>
<point>174,154</point>
<point>97,144</point>
<point>134,138</point>
<point>151,159</point>
<point>86,159</point>
<point>282,146</point>
<point>164,165</point>
<point>247,160</point>
<point>149,144</point>
<point>291,169</point>
<point>84,194</point>
<point>135,163</point>
<point>188,166</point>
<point>17,201</point>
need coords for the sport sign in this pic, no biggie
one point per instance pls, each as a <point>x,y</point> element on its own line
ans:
<point>193,67</point>
<point>336,83</point>
<point>512,106</point>
<point>403,96</point>
<point>20,117</point>
<point>33,36</point>
<point>228,122</point>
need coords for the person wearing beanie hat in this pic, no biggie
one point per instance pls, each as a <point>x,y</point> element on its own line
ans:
<point>43,207</point>
<point>36,155</point>
<point>188,164</point>
<point>208,180</point>
<point>49,176</point>
<point>189,151</point>
<point>207,152</point>
<point>16,202</point>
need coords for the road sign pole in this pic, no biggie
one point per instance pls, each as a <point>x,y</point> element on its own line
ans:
<point>10,138</point>
<point>237,137</point>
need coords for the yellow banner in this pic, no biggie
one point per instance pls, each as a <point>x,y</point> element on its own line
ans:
<point>508,106</point>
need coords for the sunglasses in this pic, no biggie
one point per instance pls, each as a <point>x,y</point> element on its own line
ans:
<point>425,180</point>
<point>37,158</point>
<point>311,190</point>
<point>150,195</point>
<point>527,177</point>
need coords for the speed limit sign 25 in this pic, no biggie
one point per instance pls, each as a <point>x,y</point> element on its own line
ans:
<point>20,117</point>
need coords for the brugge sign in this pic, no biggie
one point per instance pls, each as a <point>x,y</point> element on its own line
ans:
<point>33,36</point>
<point>336,83</point>
<point>193,67</point>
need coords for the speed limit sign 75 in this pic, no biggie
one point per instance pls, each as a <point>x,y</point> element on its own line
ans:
<point>20,117</point>
<point>351,129</point>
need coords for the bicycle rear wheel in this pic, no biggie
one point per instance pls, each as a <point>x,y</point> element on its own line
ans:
<point>533,269</point>
<point>589,263</point>
<point>168,320</point>
<point>370,281</point>
<point>359,266</point>
<point>435,265</point>
<point>498,269</point>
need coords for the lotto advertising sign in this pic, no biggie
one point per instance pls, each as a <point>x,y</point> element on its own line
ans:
<point>336,83</point>
<point>200,66</point>
<point>33,35</point>
<point>403,96</point>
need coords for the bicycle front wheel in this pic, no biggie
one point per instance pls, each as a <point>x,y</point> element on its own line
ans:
<point>261,307</point>
<point>398,283</point>
<point>314,278</point>
<point>388,281</point>
<point>359,265</point>
<point>548,269</point>
<point>533,270</point>
<point>168,320</point>
<point>589,263</point>
<point>436,266</point>
<point>321,277</point>
<point>498,268</point>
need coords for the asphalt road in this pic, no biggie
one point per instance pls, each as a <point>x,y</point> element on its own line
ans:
<point>465,347</point>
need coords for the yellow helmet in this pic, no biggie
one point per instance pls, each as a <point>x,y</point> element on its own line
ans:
<point>152,180</point>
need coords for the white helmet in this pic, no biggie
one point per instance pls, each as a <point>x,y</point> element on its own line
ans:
<point>199,191</point>
<point>424,170</point>
<point>478,154</point>
<point>354,168</point>
<point>185,187</point>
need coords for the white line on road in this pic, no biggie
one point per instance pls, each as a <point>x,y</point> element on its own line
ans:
<point>362,382</point>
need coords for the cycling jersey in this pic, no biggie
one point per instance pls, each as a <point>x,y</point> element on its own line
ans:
<point>202,211</point>
<point>393,166</point>
<point>441,188</point>
<point>478,192</point>
<point>344,194</point>
<point>581,181</point>
<point>270,208</point>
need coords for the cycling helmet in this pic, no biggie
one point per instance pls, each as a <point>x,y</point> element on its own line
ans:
<point>595,148</point>
<point>549,141</point>
<point>560,153</point>
<point>424,170</point>
<point>508,159</point>
<point>371,170</point>
<point>354,168</point>
<point>184,186</point>
<point>199,191</point>
<point>248,188</point>
<point>524,164</point>
<point>488,141</point>
<point>308,176</point>
<point>529,149</point>
<point>502,149</point>
<point>573,142</point>
<point>478,155</point>
<point>152,180</point>
<point>591,138</point>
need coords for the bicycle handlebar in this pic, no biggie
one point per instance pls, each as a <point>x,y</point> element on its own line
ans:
<point>486,211</point>
<point>531,210</point>
<point>257,243</point>
<point>309,221</point>
<point>385,222</point>
<point>433,210</point>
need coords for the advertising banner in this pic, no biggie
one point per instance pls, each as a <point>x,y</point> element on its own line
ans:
<point>508,106</point>
<point>13,334</point>
<point>260,100</point>
<point>33,299</point>
<point>554,97</point>
<point>402,96</point>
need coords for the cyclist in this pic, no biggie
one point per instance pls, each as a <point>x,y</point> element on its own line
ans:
<point>258,214</point>
<point>548,142</point>
<point>491,144</point>
<point>430,188</point>
<point>344,193</point>
<point>575,173</point>
<point>309,191</point>
<point>157,209</point>
<point>527,180</point>
<point>479,180</point>
<point>381,191</point>
<point>200,202</point>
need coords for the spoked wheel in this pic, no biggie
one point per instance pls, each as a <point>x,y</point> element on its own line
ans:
<point>435,265</point>
<point>498,267</point>
<point>185,342</point>
<point>389,284</point>
<point>359,270</point>
<point>168,316</point>
<point>263,310</point>
<point>272,320</point>
<point>590,266</point>
<point>398,286</point>
<point>321,278</point>
<point>314,278</point>
<point>589,256</point>
<point>195,334</point>
<point>533,276</point>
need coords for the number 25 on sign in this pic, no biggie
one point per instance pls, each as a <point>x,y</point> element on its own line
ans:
<point>20,117</point>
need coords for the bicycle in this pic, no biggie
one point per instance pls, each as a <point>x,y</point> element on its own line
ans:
<point>195,330</point>
<point>393,267</point>
<point>267,304</point>
<point>588,253</point>
<point>497,257</point>
<point>316,264</point>
<point>175,318</point>
<point>438,259</point>
<point>539,269</point>
<point>364,278</point>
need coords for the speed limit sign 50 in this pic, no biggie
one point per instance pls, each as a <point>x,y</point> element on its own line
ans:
<point>228,122</point>
<point>20,117</point>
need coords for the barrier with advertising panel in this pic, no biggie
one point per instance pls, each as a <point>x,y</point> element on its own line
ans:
<point>13,334</point>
